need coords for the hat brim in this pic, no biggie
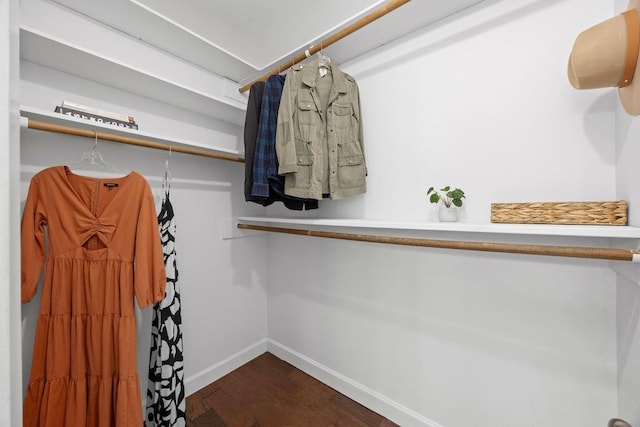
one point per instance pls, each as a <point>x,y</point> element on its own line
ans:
<point>630,95</point>
<point>617,422</point>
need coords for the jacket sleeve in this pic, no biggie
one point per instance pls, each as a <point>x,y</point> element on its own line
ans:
<point>149,271</point>
<point>251,124</point>
<point>32,241</point>
<point>285,136</point>
<point>261,156</point>
<point>358,114</point>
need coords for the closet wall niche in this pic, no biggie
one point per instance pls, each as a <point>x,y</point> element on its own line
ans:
<point>174,103</point>
<point>413,333</point>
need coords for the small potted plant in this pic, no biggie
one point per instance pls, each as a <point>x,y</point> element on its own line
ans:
<point>451,200</point>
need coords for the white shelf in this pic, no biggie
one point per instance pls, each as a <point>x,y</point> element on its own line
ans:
<point>61,119</point>
<point>600,231</point>
<point>219,100</point>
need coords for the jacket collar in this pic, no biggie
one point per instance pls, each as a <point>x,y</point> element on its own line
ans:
<point>310,74</point>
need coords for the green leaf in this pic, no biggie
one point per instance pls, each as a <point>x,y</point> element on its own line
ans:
<point>448,196</point>
<point>456,194</point>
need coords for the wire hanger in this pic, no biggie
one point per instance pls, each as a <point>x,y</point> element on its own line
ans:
<point>324,62</point>
<point>166,179</point>
<point>93,164</point>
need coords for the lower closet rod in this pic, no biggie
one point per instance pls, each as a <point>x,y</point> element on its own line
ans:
<point>68,130</point>
<point>564,251</point>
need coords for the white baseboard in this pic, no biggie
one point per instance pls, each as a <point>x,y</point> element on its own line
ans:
<point>371,399</point>
<point>205,377</point>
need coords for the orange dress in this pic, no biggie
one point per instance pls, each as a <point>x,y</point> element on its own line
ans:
<point>99,243</point>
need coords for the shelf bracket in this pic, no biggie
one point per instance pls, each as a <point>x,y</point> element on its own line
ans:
<point>232,230</point>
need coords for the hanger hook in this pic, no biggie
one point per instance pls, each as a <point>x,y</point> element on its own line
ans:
<point>166,180</point>
<point>95,141</point>
<point>166,161</point>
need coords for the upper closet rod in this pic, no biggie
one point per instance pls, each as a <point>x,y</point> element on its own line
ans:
<point>564,251</point>
<point>68,130</point>
<point>381,11</point>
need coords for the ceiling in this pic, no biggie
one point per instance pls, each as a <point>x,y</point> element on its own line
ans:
<point>242,39</point>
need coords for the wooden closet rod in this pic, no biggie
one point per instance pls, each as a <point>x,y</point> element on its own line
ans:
<point>68,130</point>
<point>563,251</point>
<point>381,11</point>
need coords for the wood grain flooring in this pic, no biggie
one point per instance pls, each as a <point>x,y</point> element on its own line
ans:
<point>269,392</point>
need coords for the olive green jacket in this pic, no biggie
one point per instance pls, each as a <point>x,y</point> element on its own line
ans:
<point>319,134</point>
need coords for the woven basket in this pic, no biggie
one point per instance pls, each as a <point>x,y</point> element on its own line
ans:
<point>597,213</point>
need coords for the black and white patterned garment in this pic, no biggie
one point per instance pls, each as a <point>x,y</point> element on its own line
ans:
<point>166,404</point>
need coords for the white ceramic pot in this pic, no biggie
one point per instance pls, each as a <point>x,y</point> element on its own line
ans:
<point>446,214</point>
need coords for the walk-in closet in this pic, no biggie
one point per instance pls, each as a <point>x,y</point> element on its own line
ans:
<point>335,261</point>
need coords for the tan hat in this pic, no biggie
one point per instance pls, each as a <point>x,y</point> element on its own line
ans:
<point>617,422</point>
<point>606,55</point>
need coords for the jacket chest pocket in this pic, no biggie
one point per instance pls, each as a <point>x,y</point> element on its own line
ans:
<point>307,112</point>
<point>341,115</point>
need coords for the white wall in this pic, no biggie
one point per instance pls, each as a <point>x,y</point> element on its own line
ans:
<point>430,337</point>
<point>10,401</point>
<point>628,288</point>
<point>482,101</point>
<point>628,320</point>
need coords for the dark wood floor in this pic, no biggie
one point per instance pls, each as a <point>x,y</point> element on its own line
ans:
<point>269,392</point>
